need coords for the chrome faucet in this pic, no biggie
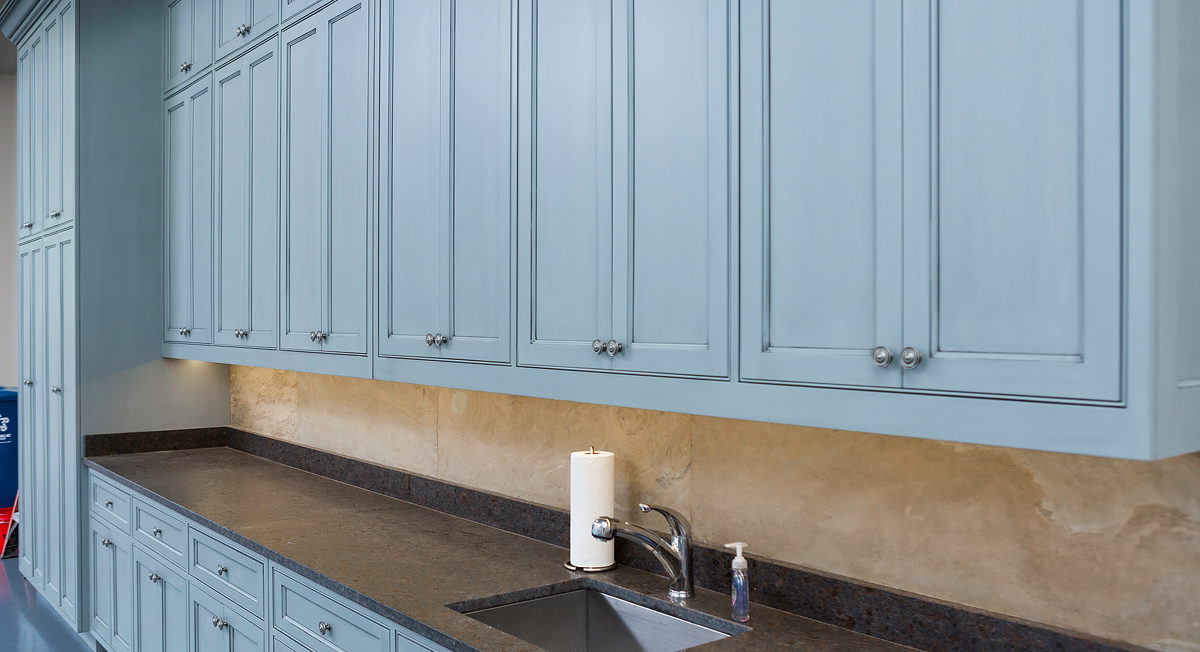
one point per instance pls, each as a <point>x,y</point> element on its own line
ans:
<point>675,556</point>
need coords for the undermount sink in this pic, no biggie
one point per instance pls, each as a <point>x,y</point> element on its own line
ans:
<point>586,620</point>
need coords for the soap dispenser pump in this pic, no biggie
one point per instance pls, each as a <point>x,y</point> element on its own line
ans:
<point>741,584</point>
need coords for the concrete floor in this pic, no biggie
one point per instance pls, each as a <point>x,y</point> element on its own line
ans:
<point>27,622</point>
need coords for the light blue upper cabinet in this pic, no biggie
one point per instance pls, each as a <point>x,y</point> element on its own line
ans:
<point>188,202</point>
<point>189,41</point>
<point>326,186</point>
<point>630,144</point>
<point>240,22</point>
<point>31,146</point>
<point>1013,200</point>
<point>58,38</point>
<point>449,182</point>
<point>246,199</point>
<point>821,196</point>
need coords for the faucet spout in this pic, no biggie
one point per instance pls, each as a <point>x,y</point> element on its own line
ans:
<point>675,555</point>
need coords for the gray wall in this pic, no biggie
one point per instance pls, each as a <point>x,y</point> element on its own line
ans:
<point>8,220</point>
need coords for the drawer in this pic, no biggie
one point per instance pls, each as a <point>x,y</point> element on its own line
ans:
<point>281,643</point>
<point>235,574</point>
<point>160,531</point>
<point>407,641</point>
<point>109,501</point>
<point>322,622</point>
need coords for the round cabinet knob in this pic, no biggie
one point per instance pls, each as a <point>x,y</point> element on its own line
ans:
<point>440,339</point>
<point>29,382</point>
<point>215,621</point>
<point>55,389</point>
<point>882,356</point>
<point>910,357</point>
<point>105,542</point>
<point>108,504</point>
<point>614,347</point>
<point>324,627</point>
<point>322,335</point>
<point>312,336</point>
<point>156,531</point>
<point>154,577</point>
<point>597,346</point>
<point>185,66</point>
<point>221,570</point>
<point>428,339</point>
<point>27,225</point>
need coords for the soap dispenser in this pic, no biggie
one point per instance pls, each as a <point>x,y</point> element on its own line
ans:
<point>741,584</point>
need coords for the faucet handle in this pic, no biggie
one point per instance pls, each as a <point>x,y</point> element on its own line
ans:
<point>680,527</point>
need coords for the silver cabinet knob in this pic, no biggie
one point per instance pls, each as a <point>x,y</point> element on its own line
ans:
<point>108,504</point>
<point>185,66</point>
<point>320,336</point>
<point>428,339</point>
<point>55,389</point>
<point>28,382</point>
<point>881,356</point>
<point>55,214</point>
<point>156,532</point>
<point>219,623</point>
<point>312,336</point>
<point>215,621</point>
<point>222,570</point>
<point>27,225</point>
<point>243,30</point>
<point>597,346</point>
<point>440,339</point>
<point>613,348</point>
<point>324,627</point>
<point>154,577</point>
<point>910,357</point>
<point>105,542</point>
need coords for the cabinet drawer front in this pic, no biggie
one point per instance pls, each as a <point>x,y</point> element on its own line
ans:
<point>109,502</point>
<point>285,644</point>
<point>300,611</point>
<point>407,641</point>
<point>160,531</point>
<point>232,573</point>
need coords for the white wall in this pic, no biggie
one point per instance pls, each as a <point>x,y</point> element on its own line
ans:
<point>8,231</point>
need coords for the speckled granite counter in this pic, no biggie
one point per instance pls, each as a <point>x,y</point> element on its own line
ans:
<point>406,562</point>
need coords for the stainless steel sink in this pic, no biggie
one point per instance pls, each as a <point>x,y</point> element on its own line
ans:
<point>585,620</point>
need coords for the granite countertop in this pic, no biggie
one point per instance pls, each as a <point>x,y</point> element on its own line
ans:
<point>407,562</point>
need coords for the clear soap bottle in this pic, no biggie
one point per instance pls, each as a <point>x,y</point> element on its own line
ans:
<point>741,584</point>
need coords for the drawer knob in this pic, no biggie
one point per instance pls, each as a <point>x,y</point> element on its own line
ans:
<point>613,348</point>
<point>105,542</point>
<point>324,627</point>
<point>155,577</point>
<point>222,570</point>
<point>597,346</point>
<point>108,504</point>
<point>910,357</point>
<point>881,356</point>
<point>428,339</point>
<point>156,532</point>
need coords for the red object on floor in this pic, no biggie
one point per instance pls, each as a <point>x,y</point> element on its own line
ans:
<point>5,520</point>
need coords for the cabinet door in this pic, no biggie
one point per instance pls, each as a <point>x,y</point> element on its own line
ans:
<point>238,22</point>
<point>102,584</point>
<point>821,194</point>
<point>1013,251</point>
<point>246,199</point>
<point>189,40</point>
<point>189,215</point>
<point>160,604</point>
<point>32,146</point>
<point>58,36</point>
<point>450,183</point>
<point>217,628</point>
<point>566,241</point>
<point>670,186</point>
<point>123,609</point>
<point>30,339</point>
<point>326,185</point>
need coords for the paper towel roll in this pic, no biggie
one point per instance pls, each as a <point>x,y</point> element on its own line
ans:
<point>591,498</point>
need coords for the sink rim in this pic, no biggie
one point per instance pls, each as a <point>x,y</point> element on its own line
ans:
<point>664,607</point>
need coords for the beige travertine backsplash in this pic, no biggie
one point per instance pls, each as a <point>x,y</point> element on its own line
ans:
<point>1101,546</point>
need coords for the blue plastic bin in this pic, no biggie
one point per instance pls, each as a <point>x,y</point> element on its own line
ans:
<point>8,447</point>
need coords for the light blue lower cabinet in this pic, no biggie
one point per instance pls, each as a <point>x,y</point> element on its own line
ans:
<point>407,641</point>
<point>285,644</point>
<point>160,601</point>
<point>218,626</point>
<point>307,613</point>
<point>111,596</point>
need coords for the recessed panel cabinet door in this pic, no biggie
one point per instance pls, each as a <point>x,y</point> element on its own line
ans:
<point>450,185</point>
<point>670,186</point>
<point>821,194</point>
<point>62,459</point>
<point>326,186</point>
<point>101,583</point>
<point>566,240</point>
<point>32,146</point>
<point>1013,201</point>
<point>246,199</point>
<point>189,215</point>
<point>189,40</point>
<point>238,22</point>
<point>31,337</point>
<point>161,604</point>
<point>216,627</point>
<point>58,32</point>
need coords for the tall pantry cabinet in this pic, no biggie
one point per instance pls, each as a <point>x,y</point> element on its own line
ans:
<point>89,258</point>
